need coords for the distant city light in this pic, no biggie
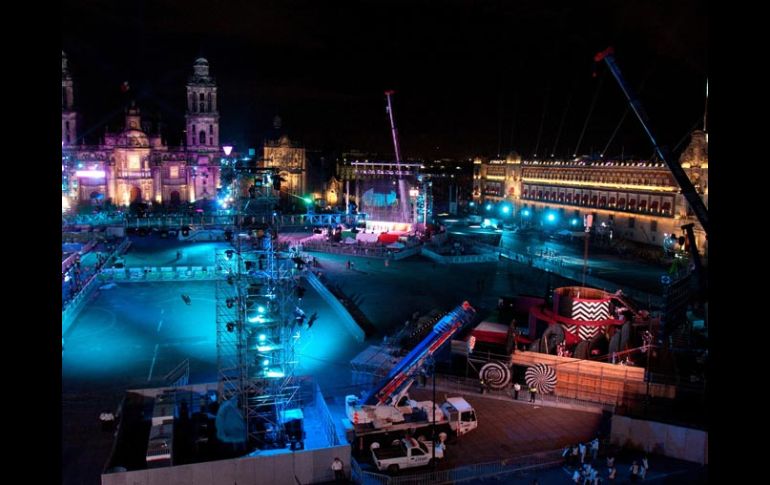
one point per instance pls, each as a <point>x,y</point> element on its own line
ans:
<point>525,213</point>
<point>506,209</point>
<point>227,149</point>
<point>551,217</point>
<point>574,222</point>
<point>489,207</point>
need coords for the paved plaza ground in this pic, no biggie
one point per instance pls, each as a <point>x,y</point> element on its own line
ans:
<point>131,335</point>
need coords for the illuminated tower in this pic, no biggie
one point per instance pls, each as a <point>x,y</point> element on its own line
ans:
<point>202,133</point>
<point>68,115</point>
<point>202,116</point>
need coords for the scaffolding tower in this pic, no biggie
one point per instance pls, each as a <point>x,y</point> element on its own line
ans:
<point>259,321</point>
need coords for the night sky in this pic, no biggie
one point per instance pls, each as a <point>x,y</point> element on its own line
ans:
<point>472,77</point>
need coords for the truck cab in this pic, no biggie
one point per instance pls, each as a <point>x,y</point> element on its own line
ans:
<point>460,414</point>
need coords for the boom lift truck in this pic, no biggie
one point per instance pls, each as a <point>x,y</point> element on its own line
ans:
<point>387,413</point>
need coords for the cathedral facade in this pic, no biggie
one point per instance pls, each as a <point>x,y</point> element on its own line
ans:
<point>134,166</point>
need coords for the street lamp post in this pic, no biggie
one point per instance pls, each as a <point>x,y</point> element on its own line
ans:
<point>432,367</point>
<point>589,219</point>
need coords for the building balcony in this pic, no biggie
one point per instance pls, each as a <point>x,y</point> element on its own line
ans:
<point>133,174</point>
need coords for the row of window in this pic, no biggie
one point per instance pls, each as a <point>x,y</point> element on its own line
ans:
<point>659,180</point>
<point>621,203</point>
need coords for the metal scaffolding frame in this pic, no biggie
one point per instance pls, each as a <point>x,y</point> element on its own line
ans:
<point>258,322</point>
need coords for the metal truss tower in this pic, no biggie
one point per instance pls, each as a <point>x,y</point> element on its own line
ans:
<point>258,325</point>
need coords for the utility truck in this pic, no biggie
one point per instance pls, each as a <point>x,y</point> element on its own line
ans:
<point>387,413</point>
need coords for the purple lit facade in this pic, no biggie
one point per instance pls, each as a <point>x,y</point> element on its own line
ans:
<point>134,166</point>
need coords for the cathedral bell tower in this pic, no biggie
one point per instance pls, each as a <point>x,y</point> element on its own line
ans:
<point>202,115</point>
<point>68,115</point>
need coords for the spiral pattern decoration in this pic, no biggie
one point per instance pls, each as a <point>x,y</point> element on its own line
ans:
<point>496,375</point>
<point>542,378</point>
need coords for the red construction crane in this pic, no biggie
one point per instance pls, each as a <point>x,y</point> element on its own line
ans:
<point>403,189</point>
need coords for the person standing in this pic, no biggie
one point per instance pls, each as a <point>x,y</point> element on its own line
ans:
<point>644,468</point>
<point>612,473</point>
<point>516,389</point>
<point>634,471</point>
<point>339,472</point>
<point>532,392</point>
<point>594,448</point>
<point>582,449</point>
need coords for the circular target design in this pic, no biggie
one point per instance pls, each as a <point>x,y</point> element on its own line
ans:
<point>496,375</point>
<point>542,378</point>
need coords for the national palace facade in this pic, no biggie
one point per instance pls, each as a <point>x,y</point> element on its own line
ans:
<point>636,200</point>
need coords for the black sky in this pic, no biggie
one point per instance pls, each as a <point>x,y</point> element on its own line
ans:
<point>472,77</point>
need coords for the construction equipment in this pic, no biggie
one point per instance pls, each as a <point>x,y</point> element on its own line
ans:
<point>403,189</point>
<point>387,409</point>
<point>688,189</point>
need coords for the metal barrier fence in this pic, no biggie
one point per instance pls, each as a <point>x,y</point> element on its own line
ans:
<point>328,422</point>
<point>76,304</point>
<point>553,265</point>
<point>460,474</point>
<point>73,307</point>
<point>347,249</point>
<point>465,259</point>
<point>471,385</point>
<point>162,273</point>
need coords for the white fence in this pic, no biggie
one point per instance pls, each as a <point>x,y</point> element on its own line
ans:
<point>465,259</point>
<point>162,273</point>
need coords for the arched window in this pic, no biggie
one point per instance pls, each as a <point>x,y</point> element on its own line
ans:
<point>192,101</point>
<point>202,137</point>
<point>210,109</point>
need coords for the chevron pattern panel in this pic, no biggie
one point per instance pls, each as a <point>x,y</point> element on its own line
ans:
<point>590,310</point>
<point>587,332</point>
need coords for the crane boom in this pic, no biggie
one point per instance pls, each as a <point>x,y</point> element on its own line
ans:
<point>402,188</point>
<point>401,377</point>
<point>688,190</point>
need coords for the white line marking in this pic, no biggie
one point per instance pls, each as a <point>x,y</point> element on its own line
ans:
<point>154,356</point>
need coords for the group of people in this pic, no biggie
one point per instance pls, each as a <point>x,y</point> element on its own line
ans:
<point>532,392</point>
<point>586,473</point>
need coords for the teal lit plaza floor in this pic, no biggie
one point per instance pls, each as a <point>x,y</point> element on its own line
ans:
<point>130,336</point>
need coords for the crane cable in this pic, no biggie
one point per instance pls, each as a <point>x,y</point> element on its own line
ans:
<point>590,112</point>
